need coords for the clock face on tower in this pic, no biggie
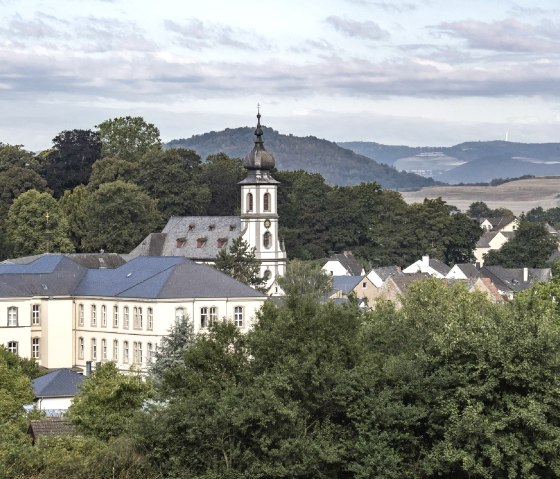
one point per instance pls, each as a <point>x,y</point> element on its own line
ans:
<point>267,223</point>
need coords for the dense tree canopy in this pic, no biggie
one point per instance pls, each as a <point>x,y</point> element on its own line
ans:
<point>240,262</point>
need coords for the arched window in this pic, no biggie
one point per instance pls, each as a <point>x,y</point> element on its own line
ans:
<point>267,239</point>
<point>249,202</point>
<point>266,201</point>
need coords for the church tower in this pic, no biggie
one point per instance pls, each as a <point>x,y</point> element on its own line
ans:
<point>259,216</point>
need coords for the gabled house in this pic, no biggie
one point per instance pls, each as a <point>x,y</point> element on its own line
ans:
<point>395,287</point>
<point>430,266</point>
<point>378,275</point>
<point>54,391</point>
<point>490,240</point>
<point>52,426</point>
<point>500,223</point>
<point>343,264</point>
<point>463,271</point>
<point>359,287</point>
<point>512,280</point>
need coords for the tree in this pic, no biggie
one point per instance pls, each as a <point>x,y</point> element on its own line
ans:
<point>222,174</point>
<point>531,247</point>
<point>463,234</point>
<point>305,281</point>
<point>16,156</point>
<point>479,209</point>
<point>119,216</point>
<point>69,163</point>
<point>74,204</point>
<point>240,263</point>
<point>108,400</point>
<point>36,225</point>
<point>128,138</point>
<point>27,366</point>
<point>109,169</point>
<point>173,178</point>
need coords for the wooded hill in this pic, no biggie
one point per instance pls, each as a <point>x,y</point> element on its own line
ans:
<point>339,166</point>
<point>470,162</point>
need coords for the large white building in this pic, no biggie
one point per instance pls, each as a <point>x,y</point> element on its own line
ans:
<point>200,238</point>
<point>62,314</point>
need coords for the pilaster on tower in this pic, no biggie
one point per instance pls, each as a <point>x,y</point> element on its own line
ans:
<point>259,214</point>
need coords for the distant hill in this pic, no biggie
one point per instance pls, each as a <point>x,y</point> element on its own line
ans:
<point>336,164</point>
<point>479,161</point>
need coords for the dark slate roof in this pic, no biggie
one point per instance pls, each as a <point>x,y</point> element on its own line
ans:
<point>49,275</point>
<point>194,237</point>
<point>386,271</point>
<point>54,426</point>
<point>439,266</point>
<point>487,236</point>
<point>59,383</point>
<point>403,281</point>
<point>469,270</point>
<point>499,221</point>
<point>349,262</point>
<point>97,260</point>
<point>346,283</point>
<point>511,279</point>
<point>162,277</point>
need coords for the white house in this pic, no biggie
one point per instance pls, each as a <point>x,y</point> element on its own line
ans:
<point>433,267</point>
<point>54,391</point>
<point>463,271</point>
<point>343,264</point>
<point>62,314</point>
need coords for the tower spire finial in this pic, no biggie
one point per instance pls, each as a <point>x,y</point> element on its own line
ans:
<point>258,131</point>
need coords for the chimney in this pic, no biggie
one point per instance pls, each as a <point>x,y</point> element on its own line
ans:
<point>88,368</point>
<point>425,261</point>
<point>346,253</point>
<point>525,275</point>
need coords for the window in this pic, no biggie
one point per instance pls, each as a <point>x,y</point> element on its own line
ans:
<point>115,316</point>
<point>35,316</point>
<point>201,242</point>
<point>93,315</point>
<point>81,314</point>
<point>104,316</point>
<point>104,349</point>
<point>13,347</point>
<point>137,318</point>
<point>267,240</point>
<point>125,351</point>
<point>80,348</point>
<point>150,325</point>
<point>266,202</point>
<point>116,350</point>
<point>204,317</point>
<point>12,316</point>
<point>238,316</point>
<point>126,318</point>
<point>213,316</point>
<point>364,285</point>
<point>137,352</point>
<point>140,318</point>
<point>180,242</point>
<point>35,351</point>
<point>249,202</point>
<point>94,348</point>
<point>221,242</point>
<point>149,352</point>
<point>179,314</point>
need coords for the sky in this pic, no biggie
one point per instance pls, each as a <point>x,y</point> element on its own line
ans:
<point>412,72</point>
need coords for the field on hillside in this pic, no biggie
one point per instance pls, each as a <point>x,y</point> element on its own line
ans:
<point>518,196</point>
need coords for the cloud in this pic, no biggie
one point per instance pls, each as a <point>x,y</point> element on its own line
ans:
<point>396,7</point>
<point>197,35</point>
<point>505,36</point>
<point>41,27</point>
<point>351,28</point>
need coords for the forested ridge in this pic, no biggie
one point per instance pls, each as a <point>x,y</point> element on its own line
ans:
<point>106,189</point>
<point>450,385</point>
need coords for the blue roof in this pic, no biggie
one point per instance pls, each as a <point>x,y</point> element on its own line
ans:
<point>59,383</point>
<point>346,283</point>
<point>43,265</point>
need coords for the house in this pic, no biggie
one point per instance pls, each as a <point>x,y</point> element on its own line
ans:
<point>508,223</point>
<point>395,287</point>
<point>433,267</point>
<point>343,264</point>
<point>490,240</point>
<point>359,287</point>
<point>63,314</point>
<point>54,391</point>
<point>52,426</point>
<point>378,275</point>
<point>200,238</point>
<point>463,271</point>
<point>509,281</point>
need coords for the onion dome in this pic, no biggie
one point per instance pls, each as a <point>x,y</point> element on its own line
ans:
<point>258,158</point>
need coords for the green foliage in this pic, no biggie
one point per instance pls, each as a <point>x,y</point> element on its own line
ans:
<point>550,216</point>
<point>531,247</point>
<point>240,262</point>
<point>69,163</point>
<point>15,389</point>
<point>24,365</point>
<point>173,178</point>
<point>221,174</point>
<point>109,169</point>
<point>119,216</point>
<point>36,225</point>
<point>15,156</point>
<point>305,281</point>
<point>74,204</point>
<point>108,400</point>
<point>479,209</point>
<point>128,137</point>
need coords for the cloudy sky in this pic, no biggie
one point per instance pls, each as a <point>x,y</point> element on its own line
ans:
<point>413,72</point>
